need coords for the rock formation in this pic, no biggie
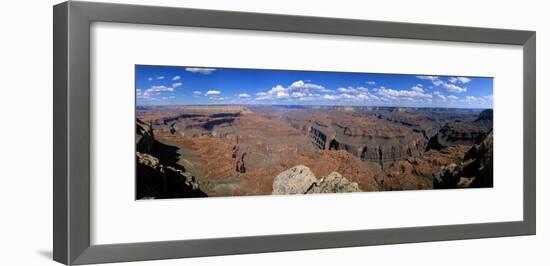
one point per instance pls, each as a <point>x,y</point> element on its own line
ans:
<point>464,132</point>
<point>476,170</point>
<point>333,183</point>
<point>144,136</point>
<point>485,115</point>
<point>296,180</point>
<point>368,138</point>
<point>300,180</point>
<point>156,178</point>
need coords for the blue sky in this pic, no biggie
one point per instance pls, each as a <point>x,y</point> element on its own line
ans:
<point>170,85</point>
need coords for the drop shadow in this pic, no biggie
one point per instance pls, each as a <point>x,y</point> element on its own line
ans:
<point>48,254</point>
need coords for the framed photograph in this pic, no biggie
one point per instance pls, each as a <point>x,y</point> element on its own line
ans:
<point>184,132</point>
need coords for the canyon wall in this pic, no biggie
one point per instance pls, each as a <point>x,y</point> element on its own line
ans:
<point>463,132</point>
<point>158,176</point>
<point>369,139</point>
<point>475,170</point>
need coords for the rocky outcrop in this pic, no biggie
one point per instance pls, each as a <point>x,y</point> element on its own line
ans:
<point>456,133</point>
<point>318,138</point>
<point>300,180</point>
<point>368,138</point>
<point>144,136</point>
<point>465,133</point>
<point>476,170</point>
<point>296,180</point>
<point>333,183</point>
<point>485,115</point>
<point>156,180</point>
<point>392,152</point>
<point>239,162</point>
<point>156,177</point>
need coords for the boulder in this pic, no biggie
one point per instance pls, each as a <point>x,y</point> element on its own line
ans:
<point>296,180</point>
<point>300,180</point>
<point>333,183</point>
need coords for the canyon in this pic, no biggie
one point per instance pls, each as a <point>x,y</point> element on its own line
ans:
<point>243,150</point>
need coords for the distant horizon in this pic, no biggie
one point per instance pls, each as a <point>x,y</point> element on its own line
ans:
<point>180,86</point>
<point>312,105</point>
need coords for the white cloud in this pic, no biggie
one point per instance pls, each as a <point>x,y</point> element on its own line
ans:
<point>345,90</point>
<point>197,93</point>
<point>436,81</point>
<point>417,89</point>
<point>454,88</point>
<point>406,95</point>
<point>298,89</point>
<point>353,90</point>
<point>439,97</point>
<point>432,78</point>
<point>303,86</point>
<point>330,97</point>
<point>244,95</point>
<point>176,78</point>
<point>459,80</point>
<point>139,95</point>
<point>452,97</point>
<point>470,99</point>
<point>177,84</point>
<point>157,89</point>
<point>160,77</point>
<point>371,82</point>
<point>212,93</point>
<point>482,100</point>
<point>204,71</point>
<point>356,94</point>
<point>150,79</point>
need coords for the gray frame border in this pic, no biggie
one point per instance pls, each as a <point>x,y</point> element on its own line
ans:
<point>71,174</point>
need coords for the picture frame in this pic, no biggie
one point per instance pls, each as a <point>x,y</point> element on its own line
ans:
<point>71,189</point>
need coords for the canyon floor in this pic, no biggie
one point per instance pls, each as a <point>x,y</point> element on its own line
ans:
<point>199,151</point>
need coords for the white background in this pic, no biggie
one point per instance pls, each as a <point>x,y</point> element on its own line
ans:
<point>116,48</point>
<point>26,133</point>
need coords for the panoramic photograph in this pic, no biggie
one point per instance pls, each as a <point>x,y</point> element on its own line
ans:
<point>211,132</point>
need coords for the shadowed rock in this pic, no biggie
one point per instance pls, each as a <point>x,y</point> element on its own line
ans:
<point>476,170</point>
<point>157,173</point>
<point>144,136</point>
<point>155,180</point>
<point>465,133</point>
